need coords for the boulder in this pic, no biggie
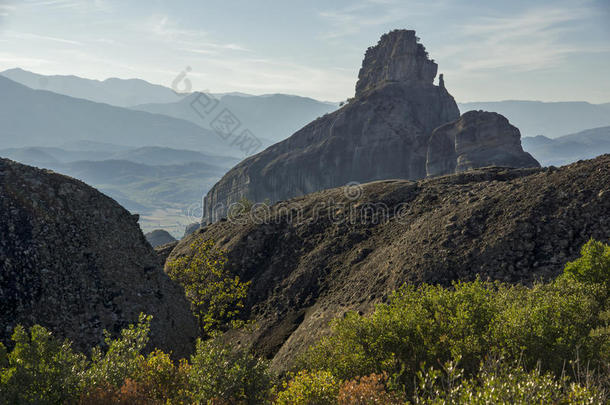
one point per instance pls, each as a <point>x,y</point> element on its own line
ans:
<point>76,262</point>
<point>477,139</point>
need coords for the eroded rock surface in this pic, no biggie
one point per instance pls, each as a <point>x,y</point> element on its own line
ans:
<point>477,139</point>
<point>313,258</point>
<point>75,261</point>
<point>382,133</point>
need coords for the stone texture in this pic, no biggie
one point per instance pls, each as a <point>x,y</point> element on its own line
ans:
<point>382,133</point>
<point>159,237</point>
<point>477,139</point>
<point>398,57</point>
<point>308,263</point>
<point>73,260</point>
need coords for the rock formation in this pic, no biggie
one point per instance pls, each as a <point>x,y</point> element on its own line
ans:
<point>315,257</point>
<point>159,237</point>
<point>73,260</point>
<point>382,133</point>
<point>476,139</point>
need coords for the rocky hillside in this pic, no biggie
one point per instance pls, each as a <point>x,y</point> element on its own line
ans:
<point>382,133</point>
<point>313,258</point>
<point>73,260</point>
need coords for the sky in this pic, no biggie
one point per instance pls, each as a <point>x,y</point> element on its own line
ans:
<point>548,50</point>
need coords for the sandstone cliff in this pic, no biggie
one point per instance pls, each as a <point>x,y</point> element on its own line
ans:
<point>476,139</point>
<point>315,257</point>
<point>382,133</point>
<point>73,260</point>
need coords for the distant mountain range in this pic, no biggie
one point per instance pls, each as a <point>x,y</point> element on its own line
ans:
<point>43,118</point>
<point>272,117</point>
<point>549,119</point>
<point>113,91</point>
<point>569,148</point>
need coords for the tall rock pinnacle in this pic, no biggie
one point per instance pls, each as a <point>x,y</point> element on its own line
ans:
<point>397,57</point>
<point>382,133</point>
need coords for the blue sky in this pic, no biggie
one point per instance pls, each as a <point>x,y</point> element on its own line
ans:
<point>488,50</point>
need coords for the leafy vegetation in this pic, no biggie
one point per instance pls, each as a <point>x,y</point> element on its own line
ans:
<point>216,296</point>
<point>474,343</point>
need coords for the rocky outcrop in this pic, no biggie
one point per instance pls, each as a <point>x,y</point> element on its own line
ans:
<point>477,139</point>
<point>315,257</point>
<point>159,237</point>
<point>73,260</point>
<point>398,57</point>
<point>382,133</point>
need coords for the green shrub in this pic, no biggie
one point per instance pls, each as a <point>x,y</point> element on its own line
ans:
<point>553,323</point>
<point>216,296</point>
<point>218,372</point>
<point>122,357</point>
<point>500,382</point>
<point>593,265</point>
<point>310,388</point>
<point>40,369</point>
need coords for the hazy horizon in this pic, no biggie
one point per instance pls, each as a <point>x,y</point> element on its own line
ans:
<point>488,51</point>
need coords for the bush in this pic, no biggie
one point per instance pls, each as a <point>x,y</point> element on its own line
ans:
<point>552,323</point>
<point>122,357</point>
<point>219,373</point>
<point>593,266</point>
<point>40,369</point>
<point>368,390</point>
<point>310,388</point>
<point>216,296</point>
<point>500,382</point>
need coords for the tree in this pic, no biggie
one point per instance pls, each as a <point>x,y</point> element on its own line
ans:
<point>216,296</point>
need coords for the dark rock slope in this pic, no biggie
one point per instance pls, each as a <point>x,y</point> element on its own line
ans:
<point>382,133</point>
<point>315,257</point>
<point>75,261</point>
<point>476,139</point>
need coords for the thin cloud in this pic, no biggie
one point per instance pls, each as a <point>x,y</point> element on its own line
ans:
<point>29,35</point>
<point>535,39</point>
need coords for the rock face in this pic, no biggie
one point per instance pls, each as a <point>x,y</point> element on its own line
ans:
<point>314,257</point>
<point>159,237</point>
<point>73,260</point>
<point>476,139</point>
<point>397,58</point>
<point>382,133</point>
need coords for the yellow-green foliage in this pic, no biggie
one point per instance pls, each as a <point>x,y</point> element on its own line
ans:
<point>40,369</point>
<point>552,323</point>
<point>593,265</point>
<point>222,374</point>
<point>216,296</point>
<point>500,382</point>
<point>310,388</point>
<point>473,343</point>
